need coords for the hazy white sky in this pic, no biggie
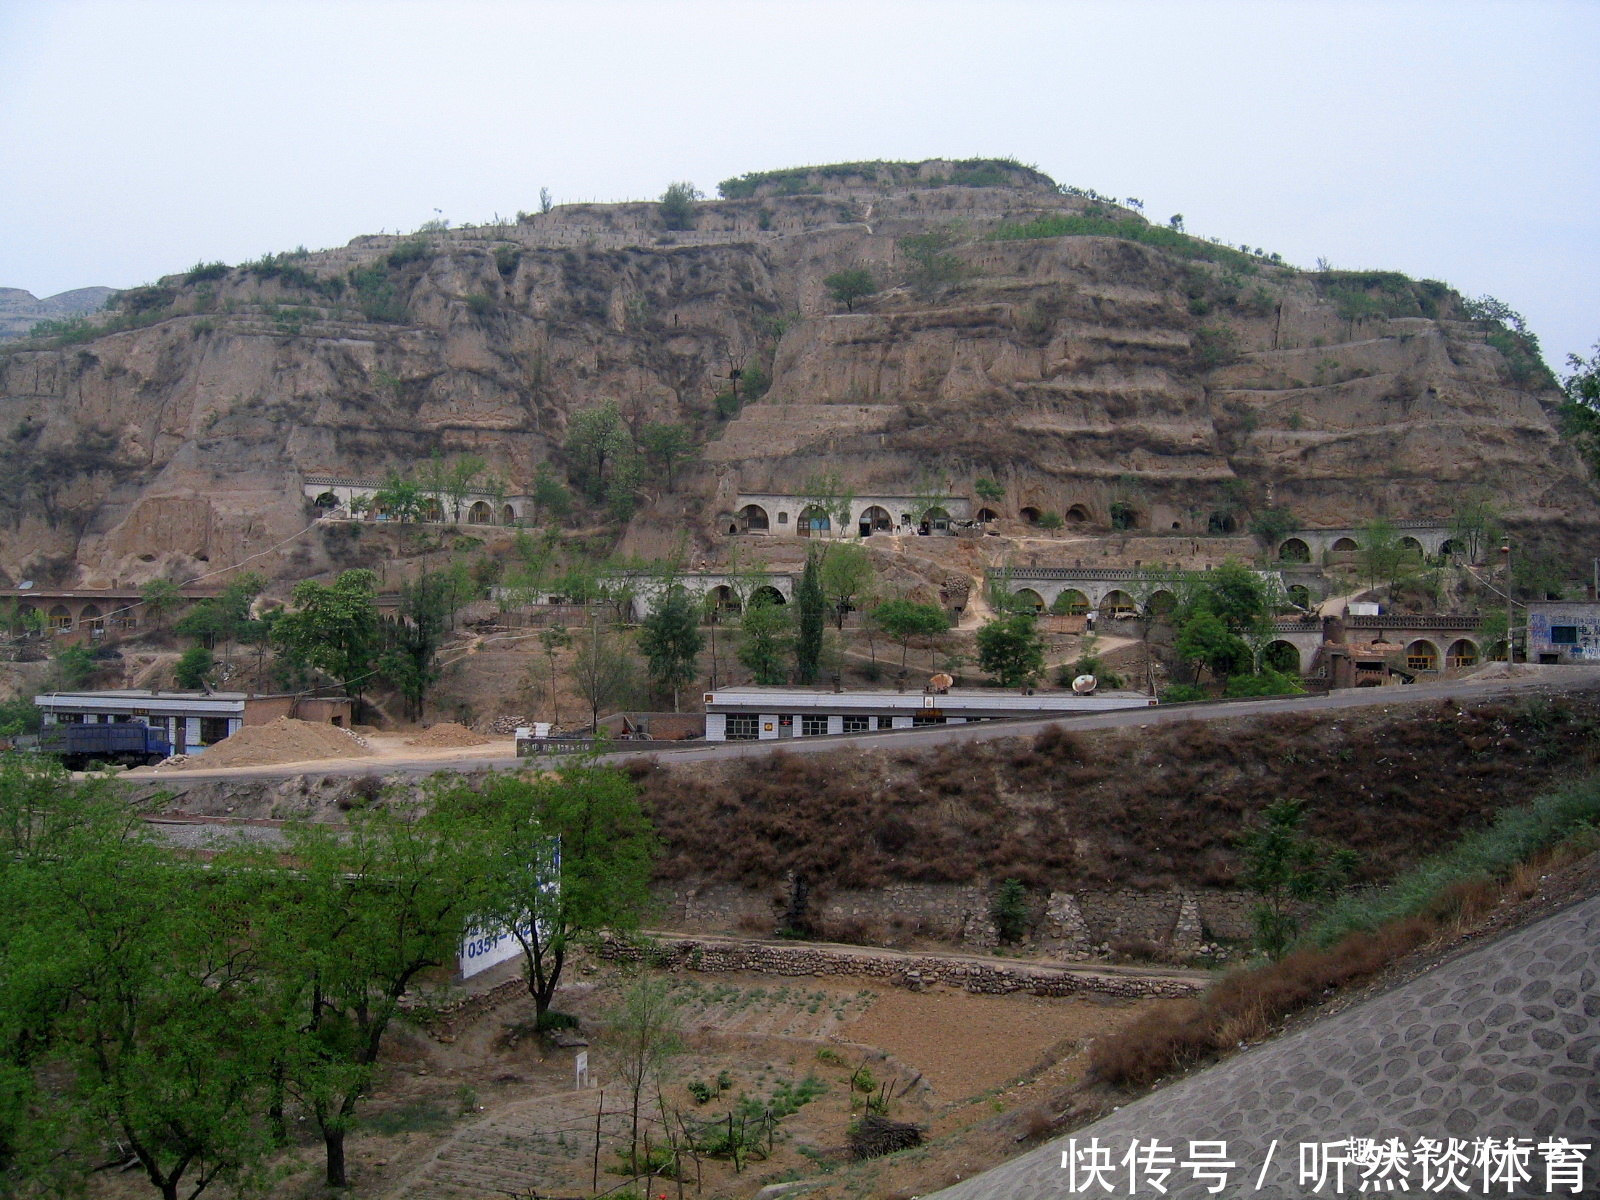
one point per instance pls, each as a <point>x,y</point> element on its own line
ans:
<point>1451,140</point>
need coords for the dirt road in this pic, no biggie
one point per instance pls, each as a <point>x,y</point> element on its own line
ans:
<point>1543,680</point>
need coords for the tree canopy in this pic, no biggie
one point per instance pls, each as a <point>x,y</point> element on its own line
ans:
<point>1011,650</point>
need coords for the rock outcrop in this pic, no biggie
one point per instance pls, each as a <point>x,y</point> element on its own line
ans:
<point>1086,369</point>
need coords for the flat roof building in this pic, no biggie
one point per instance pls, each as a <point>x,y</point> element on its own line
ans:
<point>191,720</point>
<point>748,714</point>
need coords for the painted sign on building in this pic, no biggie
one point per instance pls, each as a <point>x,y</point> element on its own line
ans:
<point>1564,632</point>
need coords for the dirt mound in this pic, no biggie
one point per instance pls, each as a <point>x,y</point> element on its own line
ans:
<point>281,741</point>
<point>447,733</point>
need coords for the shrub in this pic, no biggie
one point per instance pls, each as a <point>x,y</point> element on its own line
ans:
<point>1183,693</point>
<point>1051,520</point>
<point>409,251</point>
<point>1010,912</point>
<point>1267,683</point>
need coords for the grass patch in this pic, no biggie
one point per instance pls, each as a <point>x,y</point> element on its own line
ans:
<point>1356,939</point>
<point>420,1116</point>
<point>1130,229</point>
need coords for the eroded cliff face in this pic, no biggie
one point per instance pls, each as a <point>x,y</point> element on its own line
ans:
<point>1075,370</point>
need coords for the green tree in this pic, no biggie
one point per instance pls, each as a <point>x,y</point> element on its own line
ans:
<point>667,445</point>
<point>1476,525</point>
<point>1382,559</point>
<point>1580,412</point>
<point>678,204</point>
<point>811,606</point>
<point>194,667</point>
<point>765,635</point>
<point>1205,641</point>
<point>368,908</point>
<point>902,620</point>
<point>1286,869</point>
<point>850,285</point>
<point>846,579</point>
<point>828,491</point>
<point>552,641</point>
<point>989,489</point>
<point>459,476</point>
<point>399,497</point>
<point>549,497</point>
<point>334,628</point>
<point>597,439</point>
<point>125,969</point>
<point>73,667</point>
<point>603,671</point>
<point>643,1032</point>
<point>581,827</point>
<point>1272,525</point>
<point>160,597</point>
<point>205,622</point>
<point>929,263</point>
<point>1011,650</point>
<point>670,640</point>
<point>412,637</point>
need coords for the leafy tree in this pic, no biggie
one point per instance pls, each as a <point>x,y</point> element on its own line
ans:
<point>1580,412</point>
<point>1266,683</point>
<point>670,640</point>
<point>458,479</point>
<point>902,620</point>
<point>73,667</point>
<point>850,285</point>
<point>1009,911</point>
<point>989,489</point>
<point>334,628</point>
<point>412,639</point>
<point>597,439</point>
<point>552,641</point>
<point>829,492</point>
<point>765,635</point>
<point>1205,641</point>
<point>1476,525</point>
<point>1272,525</point>
<point>1237,595</point>
<point>644,1031</point>
<point>1011,650</point>
<point>1285,868</point>
<point>19,715</point>
<point>369,908</point>
<point>846,579</point>
<point>604,671</point>
<point>811,606</point>
<point>205,622</point>
<point>606,852</point>
<point>1382,558</point>
<point>194,667</point>
<point>160,597</point>
<point>399,497</point>
<point>666,444</point>
<point>930,265</point>
<point>677,205</point>
<point>549,497</point>
<point>622,490</point>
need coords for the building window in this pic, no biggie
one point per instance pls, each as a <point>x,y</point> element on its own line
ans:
<point>212,730</point>
<point>1419,662</point>
<point>918,722</point>
<point>783,518</point>
<point>1563,635</point>
<point>742,727</point>
<point>857,724</point>
<point>885,722</point>
<point>813,726</point>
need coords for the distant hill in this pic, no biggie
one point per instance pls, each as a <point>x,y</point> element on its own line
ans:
<point>20,311</point>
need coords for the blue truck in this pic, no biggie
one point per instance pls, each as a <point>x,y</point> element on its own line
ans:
<point>130,743</point>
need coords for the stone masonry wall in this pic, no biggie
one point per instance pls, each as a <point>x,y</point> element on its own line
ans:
<point>914,971</point>
<point>1070,924</point>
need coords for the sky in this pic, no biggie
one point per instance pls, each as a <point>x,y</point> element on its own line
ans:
<point>1450,140</point>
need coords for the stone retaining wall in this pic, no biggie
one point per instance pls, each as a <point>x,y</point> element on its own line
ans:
<point>1071,924</point>
<point>914,971</point>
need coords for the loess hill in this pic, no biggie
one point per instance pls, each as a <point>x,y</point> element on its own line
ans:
<point>1049,339</point>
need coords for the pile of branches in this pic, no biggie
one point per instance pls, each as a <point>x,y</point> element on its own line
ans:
<point>875,1135</point>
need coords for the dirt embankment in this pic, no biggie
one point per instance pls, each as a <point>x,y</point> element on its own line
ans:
<point>1149,808</point>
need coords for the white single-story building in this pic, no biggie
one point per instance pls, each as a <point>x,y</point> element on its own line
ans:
<point>191,720</point>
<point>748,714</point>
